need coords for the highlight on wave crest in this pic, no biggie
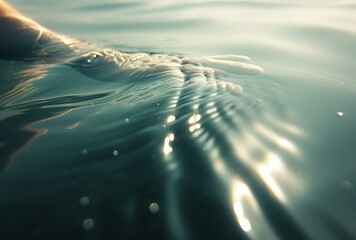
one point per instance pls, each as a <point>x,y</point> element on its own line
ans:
<point>269,157</point>
<point>254,159</point>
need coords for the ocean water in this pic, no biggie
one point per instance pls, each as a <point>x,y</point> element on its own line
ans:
<point>136,135</point>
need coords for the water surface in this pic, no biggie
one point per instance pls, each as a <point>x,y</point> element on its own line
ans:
<point>89,152</point>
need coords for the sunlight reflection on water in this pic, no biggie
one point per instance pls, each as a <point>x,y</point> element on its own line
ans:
<point>171,147</point>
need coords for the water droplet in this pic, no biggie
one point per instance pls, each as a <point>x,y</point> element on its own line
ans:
<point>88,224</point>
<point>115,153</point>
<point>84,152</point>
<point>84,201</point>
<point>340,114</point>
<point>154,208</point>
<point>127,120</point>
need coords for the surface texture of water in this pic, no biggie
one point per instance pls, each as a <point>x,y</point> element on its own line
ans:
<point>164,148</point>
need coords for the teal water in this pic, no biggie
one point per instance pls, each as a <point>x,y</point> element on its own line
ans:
<point>91,151</point>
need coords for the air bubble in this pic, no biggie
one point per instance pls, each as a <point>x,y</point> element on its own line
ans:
<point>154,208</point>
<point>88,224</point>
<point>84,152</point>
<point>84,201</point>
<point>115,153</point>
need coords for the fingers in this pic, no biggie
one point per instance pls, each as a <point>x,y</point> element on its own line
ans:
<point>231,57</point>
<point>230,86</point>
<point>231,66</point>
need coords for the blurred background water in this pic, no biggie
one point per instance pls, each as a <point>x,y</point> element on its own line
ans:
<point>153,159</point>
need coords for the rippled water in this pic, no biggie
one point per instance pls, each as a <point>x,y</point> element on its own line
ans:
<point>163,148</point>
